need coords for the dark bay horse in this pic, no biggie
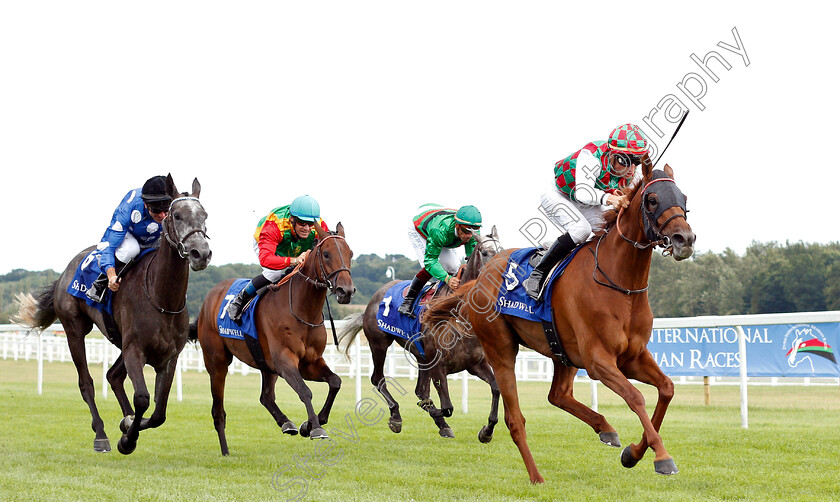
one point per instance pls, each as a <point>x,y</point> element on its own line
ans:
<point>149,313</point>
<point>602,315</point>
<point>445,355</point>
<point>291,331</point>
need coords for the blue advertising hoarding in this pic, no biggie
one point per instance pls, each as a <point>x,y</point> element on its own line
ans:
<point>778,350</point>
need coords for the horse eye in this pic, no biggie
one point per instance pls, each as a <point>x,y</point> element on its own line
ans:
<point>326,255</point>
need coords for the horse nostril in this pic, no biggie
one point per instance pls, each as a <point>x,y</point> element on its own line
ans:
<point>194,254</point>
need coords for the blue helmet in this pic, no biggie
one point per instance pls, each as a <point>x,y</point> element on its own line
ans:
<point>305,208</point>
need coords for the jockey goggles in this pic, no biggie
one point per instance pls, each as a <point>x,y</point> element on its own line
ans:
<point>158,207</point>
<point>627,160</point>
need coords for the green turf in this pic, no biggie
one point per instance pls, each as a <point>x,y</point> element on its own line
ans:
<point>789,451</point>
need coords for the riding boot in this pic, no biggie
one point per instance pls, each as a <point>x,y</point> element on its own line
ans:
<point>407,307</point>
<point>237,305</point>
<point>534,283</point>
<point>97,290</point>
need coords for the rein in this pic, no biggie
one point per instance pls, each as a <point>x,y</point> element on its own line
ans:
<point>178,245</point>
<point>323,281</point>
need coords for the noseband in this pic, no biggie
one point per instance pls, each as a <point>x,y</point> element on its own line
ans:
<point>177,243</point>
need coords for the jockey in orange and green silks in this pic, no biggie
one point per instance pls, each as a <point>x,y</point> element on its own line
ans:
<point>281,241</point>
<point>596,175</point>
<point>435,234</point>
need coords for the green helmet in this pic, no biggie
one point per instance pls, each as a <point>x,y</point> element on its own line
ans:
<point>468,215</point>
<point>305,208</point>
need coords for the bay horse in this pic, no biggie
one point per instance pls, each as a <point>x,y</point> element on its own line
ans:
<point>443,356</point>
<point>292,337</point>
<point>602,317</point>
<point>149,313</point>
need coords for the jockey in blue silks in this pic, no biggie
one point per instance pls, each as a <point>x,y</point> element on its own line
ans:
<point>135,225</point>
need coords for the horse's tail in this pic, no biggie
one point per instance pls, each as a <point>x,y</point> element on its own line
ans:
<point>445,308</point>
<point>36,313</point>
<point>348,333</point>
<point>192,335</point>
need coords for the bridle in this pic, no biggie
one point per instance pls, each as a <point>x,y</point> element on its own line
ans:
<point>323,279</point>
<point>653,234</point>
<point>178,245</point>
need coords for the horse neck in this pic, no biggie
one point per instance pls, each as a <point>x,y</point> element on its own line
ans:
<point>307,299</point>
<point>168,275</point>
<point>623,262</point>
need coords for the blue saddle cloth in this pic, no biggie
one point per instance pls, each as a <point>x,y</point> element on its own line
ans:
<point>246,325</point>
<point>402,326</point>
<point>512,298</point>
<point>87,272</point>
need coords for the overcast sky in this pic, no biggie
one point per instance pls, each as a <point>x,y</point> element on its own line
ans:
<point>375,108</point>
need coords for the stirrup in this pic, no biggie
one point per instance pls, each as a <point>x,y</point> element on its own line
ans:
<point>407,308</point>
<point>534,290</point>
<point>94,293</point>
<point>235,309</point>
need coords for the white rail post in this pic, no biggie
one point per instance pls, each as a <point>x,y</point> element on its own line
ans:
<point>104,368</point>
<point>593,384</point>
<point>40,364</point>
<point>742,349</point>
<point>465,392</point>
<point>358,365</point>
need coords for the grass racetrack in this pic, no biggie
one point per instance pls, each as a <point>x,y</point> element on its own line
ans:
<point>789,451</point>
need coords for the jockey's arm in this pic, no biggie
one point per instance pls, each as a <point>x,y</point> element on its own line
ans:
<point>113,236</point>
<point>431,261</point>
<point>587,171</point>
<point>270,238</point>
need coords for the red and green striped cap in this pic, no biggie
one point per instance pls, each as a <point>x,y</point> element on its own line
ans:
<point>628,138</point>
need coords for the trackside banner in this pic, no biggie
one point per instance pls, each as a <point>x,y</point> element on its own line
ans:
<point>779,350</point>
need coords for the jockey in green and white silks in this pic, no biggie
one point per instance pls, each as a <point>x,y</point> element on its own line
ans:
<point>435,234</point>
<point>594,176</point>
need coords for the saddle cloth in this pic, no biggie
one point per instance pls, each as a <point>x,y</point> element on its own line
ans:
<point>513,300</point>
<point>399,325</point>
<point>246,326</point>
<point>87,272</point>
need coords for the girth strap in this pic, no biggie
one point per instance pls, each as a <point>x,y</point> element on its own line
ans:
<point>554,342</point>
<point>256,352</point>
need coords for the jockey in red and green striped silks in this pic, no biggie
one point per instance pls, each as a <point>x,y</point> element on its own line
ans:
<point>435,234</point>
<point>595,176</point>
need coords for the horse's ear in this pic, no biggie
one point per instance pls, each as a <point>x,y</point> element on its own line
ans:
<point>170,187</point>
<point>669,171</point>
<point>647,165</point>
<point>320,232</point>
<point>196,188</point>
<point>493,233</point>
<point>339,229</point>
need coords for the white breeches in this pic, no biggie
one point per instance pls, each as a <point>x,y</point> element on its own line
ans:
<point>128,250</point>
<point>566,214</point>
<point>449,258</point>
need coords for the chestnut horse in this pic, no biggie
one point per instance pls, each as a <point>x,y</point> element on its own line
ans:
<point>291,331</point>
<point>443,357</point>
<point>602,316</point>
<point>150,314</point>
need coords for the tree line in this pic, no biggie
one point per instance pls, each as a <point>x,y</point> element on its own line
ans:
<point>768,278</point>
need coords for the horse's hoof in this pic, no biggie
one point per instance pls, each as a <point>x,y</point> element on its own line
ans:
<point>447,433</point>
<point>665,467</point>
<point>395,425</point>
<point>126,422</point>
<point>627,459</point>
<point>289,428</point>
<point>124,447</point>
<point>610,438</point>
<point>101,445</point>
<point>484,436</point>
<point>304,429</point>
<point>318,433</point>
